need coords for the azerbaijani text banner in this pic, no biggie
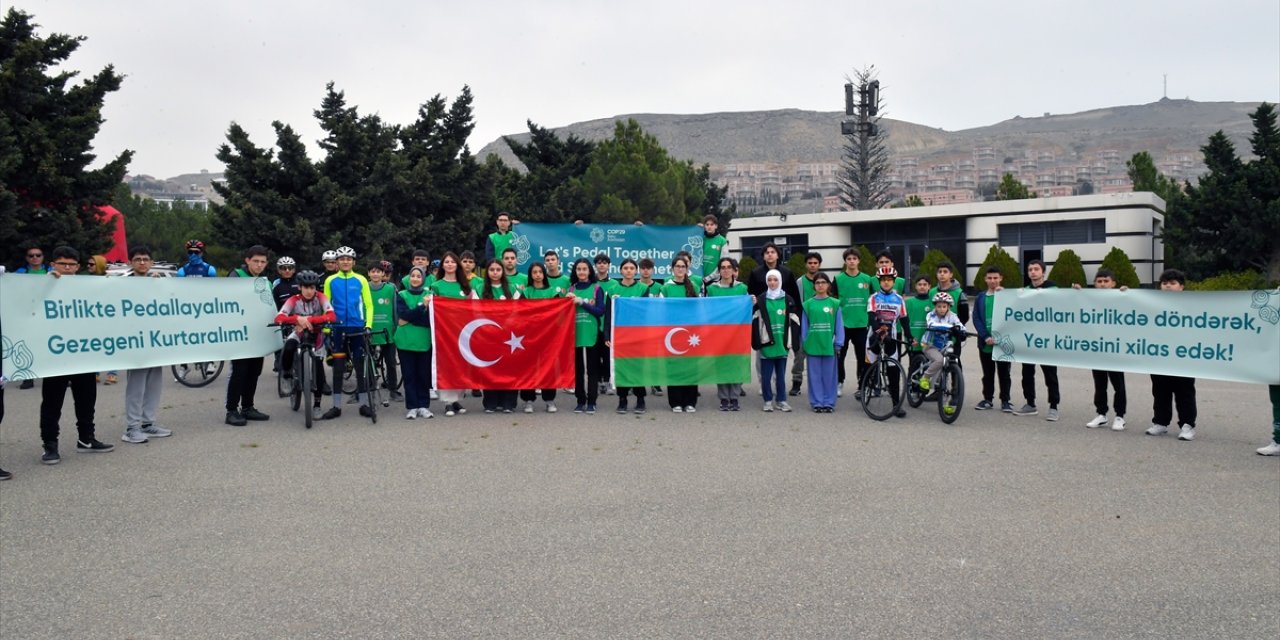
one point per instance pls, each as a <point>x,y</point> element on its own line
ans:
<point>78,324</point>
<point>532,240</point>
<point>1229,335</point>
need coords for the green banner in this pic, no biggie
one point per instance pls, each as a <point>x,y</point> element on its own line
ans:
<point>78,324</point>
<point>1230,335</point>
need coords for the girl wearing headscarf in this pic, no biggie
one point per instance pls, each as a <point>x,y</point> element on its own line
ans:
<point>413,341</point>
<point>775,331</point>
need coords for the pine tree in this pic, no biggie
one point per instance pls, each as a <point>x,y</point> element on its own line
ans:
<point>1008,268</point>
<point>48,195</point>
<point>1067,269</point>
<point>929,265</point>
<point>1119,263</point>
<point>1012,189</point>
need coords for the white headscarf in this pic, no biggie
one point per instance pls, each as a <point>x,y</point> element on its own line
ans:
<point>774,293</point>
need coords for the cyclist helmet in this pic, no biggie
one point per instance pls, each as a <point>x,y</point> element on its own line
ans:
<point>942,296</point>
<point>329,255</point>
<point>886,272</point>
<point>345,252</point>
<point>385,265</point>
<point>286,261</point>
<point>195,245</point>
<point>308,278</point>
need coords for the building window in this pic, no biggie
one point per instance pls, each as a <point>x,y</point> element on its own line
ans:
<point>1038,234</point>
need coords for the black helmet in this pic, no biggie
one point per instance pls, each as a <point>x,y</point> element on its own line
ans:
<point>308,278</point>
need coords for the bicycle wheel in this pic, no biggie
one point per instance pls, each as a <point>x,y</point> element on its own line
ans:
<point>915,395</point>
<point>879,384</point>
<point>196,374</point>
<point>306,371</point>
<point>950,393</point>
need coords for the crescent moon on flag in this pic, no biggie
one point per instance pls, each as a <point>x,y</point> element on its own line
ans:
<point>671,334</point>
<point>464,342</point>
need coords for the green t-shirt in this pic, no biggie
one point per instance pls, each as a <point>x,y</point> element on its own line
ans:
<point>673,290</point>
<point>714,290</point>
<point>411,337</point>
<point>384,312</point>
<point>498,293</point>
<point>562,281</point>
<point>777,310</point>
<point>586,326</point>
<point>446,289</point>
<point>989,312</point>
<point>854,292</point>
<point>821,316</point>
<point>608,286</point>
<point>917,309</point>
<point>711,249</point>
<point>634,290</point>
<point>956,292</point>
<point>426,282</point>
<point>518,280</point>
<point>806,288</point>
<point>545,293</point>
<point>500,243</point>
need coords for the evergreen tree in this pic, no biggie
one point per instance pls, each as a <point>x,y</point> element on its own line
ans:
<point>866,260</point>
<point>546,193</point>
<point>864,174</point>
<point>1009,268</point>
<point>929,265</point>
<point>1012,189</point>
<point>1067,269</point>
<point>1118,262</point>
<point>48,195</point>
<point>746,265</point>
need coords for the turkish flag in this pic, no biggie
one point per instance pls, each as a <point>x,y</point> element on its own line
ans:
<point>502,344</point>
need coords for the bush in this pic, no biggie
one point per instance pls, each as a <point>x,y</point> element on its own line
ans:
<point>1067,269</point>
<point>866,260</point>
<point>746,266</point>
<point>1009,268</point>
<point>1118,262</point>
<point>1232,281</point>
<point>796,264</point>
<point>928,266</point>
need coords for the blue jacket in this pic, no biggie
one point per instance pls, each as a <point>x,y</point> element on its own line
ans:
<point>351,299</point>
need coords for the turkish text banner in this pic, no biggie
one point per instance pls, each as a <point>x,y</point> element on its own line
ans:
<point>532,240</point>
<point>1230,335</point>
<point>80,324</point>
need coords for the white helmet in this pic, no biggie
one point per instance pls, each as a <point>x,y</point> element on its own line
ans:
<point>286,261</point>
<point>329,255</point>
<point>346,252</point>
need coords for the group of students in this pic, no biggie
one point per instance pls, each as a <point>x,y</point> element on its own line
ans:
<point>814,318</point>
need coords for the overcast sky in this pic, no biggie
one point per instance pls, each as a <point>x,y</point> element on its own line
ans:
<point>955,65</point>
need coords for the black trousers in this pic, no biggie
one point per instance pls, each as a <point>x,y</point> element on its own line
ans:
<point>529,395</point>
<point>682,396</point>
<point>499,400</point>
<point>586,373</point>
<point>53,393</point>
<point>638,392</point>
<point>858,338</point>
<point>991,368</point>
<point>1116,378</point>
<point>1167,391</point>
<point>1050,381</point>
<point>243,384</point>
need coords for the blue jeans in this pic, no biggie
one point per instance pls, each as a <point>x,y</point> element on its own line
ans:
<point>771,368</point>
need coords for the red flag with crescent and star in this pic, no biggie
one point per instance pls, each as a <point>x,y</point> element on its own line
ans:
<point>502,344</point>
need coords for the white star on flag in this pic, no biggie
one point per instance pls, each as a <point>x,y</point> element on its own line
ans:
<point>516,342</point>
<point>694,340</point>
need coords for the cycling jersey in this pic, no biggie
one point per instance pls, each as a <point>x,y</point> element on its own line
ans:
<point>352,301</point>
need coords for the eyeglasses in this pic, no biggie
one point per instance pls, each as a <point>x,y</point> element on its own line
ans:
<point>67,265</point>
<point>141,259</point>
<point>35,255</point>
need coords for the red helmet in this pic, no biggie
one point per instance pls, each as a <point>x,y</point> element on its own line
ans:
<point>195,245</point>
<point>886,272</point>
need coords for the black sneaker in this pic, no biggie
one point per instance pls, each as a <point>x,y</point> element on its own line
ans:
<point>93,446</point>
<point>27,384</point>
<point>235,419</point>
<point>326,390</point>
<point>733,404</point>
<point>397,396</point>
<point>365,411</point>
<point>795,389</point>
<point>476,393</point>
<point>254,414</point>
<point>51,453</point>
<point>639,405</point>
<point>332,413</point>
<point>5,475</point>
<point>622,405</point>
<point>901,413</point>
<point>724,404</point>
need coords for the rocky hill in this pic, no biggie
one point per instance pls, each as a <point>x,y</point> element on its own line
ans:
<point>791,135</point>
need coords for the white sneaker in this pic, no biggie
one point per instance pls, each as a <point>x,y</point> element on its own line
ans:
<point>768,407</point>
<point>155,431</point>
<point>435,395</point>
<point>551,407</point>
<point>134,436</point>
<point>677,409</point>
<point>412,415</point>
<point>840,390</point>
<point>1272,449</point>
<point>784,407</point>
<point>690,410</point>
<point>1100,421</point>
<point>613,390</point>
<point>1117,424</point>
<point>1188,433</point>
<point>528,407</point>
<point>425,413</point>
<point>449,413</point>
<point>1157,430</point>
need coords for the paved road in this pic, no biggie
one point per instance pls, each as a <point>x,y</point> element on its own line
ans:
<point>712,525</point>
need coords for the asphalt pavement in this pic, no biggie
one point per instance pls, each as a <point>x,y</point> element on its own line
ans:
<point>710,525</point>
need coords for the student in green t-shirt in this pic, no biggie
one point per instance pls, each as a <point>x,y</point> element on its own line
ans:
<point>603,265</point>
<point>625,287</point>
<point>682,398</point>
<point>421,260</point>
<point>497,242</point>
<point>712,246</point>
<point>775,332</point>
<point>821,333</point>
<point>384,319</point>
<point>540,288</point>
<point>885,259</point>
<point>918,306</point>
<point>513,275</point>
<point>497,287</point>
<point>556,277</point>
<point>805,285</point>
<point>451,282</point>
<point>726,284</point>
<point>467,261</point>
<point>984,307</point>
<point>853,287</point>
<point>590,300</point>
<point>413,342</point>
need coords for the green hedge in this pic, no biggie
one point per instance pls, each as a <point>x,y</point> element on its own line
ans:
<point>1009,268</point>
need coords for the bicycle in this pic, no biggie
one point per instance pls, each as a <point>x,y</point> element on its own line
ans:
<point>380,364</point>
<point>884,381</point>
<point>949,388</point>
<point>372,383</point>
<point>307,368</point>
<point>196,374</point>
<point>383,364</point>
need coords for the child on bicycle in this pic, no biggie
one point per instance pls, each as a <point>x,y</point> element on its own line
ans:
<point>938,326</point>
<point>305,310</point>
<point>886,311</point>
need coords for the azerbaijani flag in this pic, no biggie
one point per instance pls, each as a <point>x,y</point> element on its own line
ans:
<point>681,341</point>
